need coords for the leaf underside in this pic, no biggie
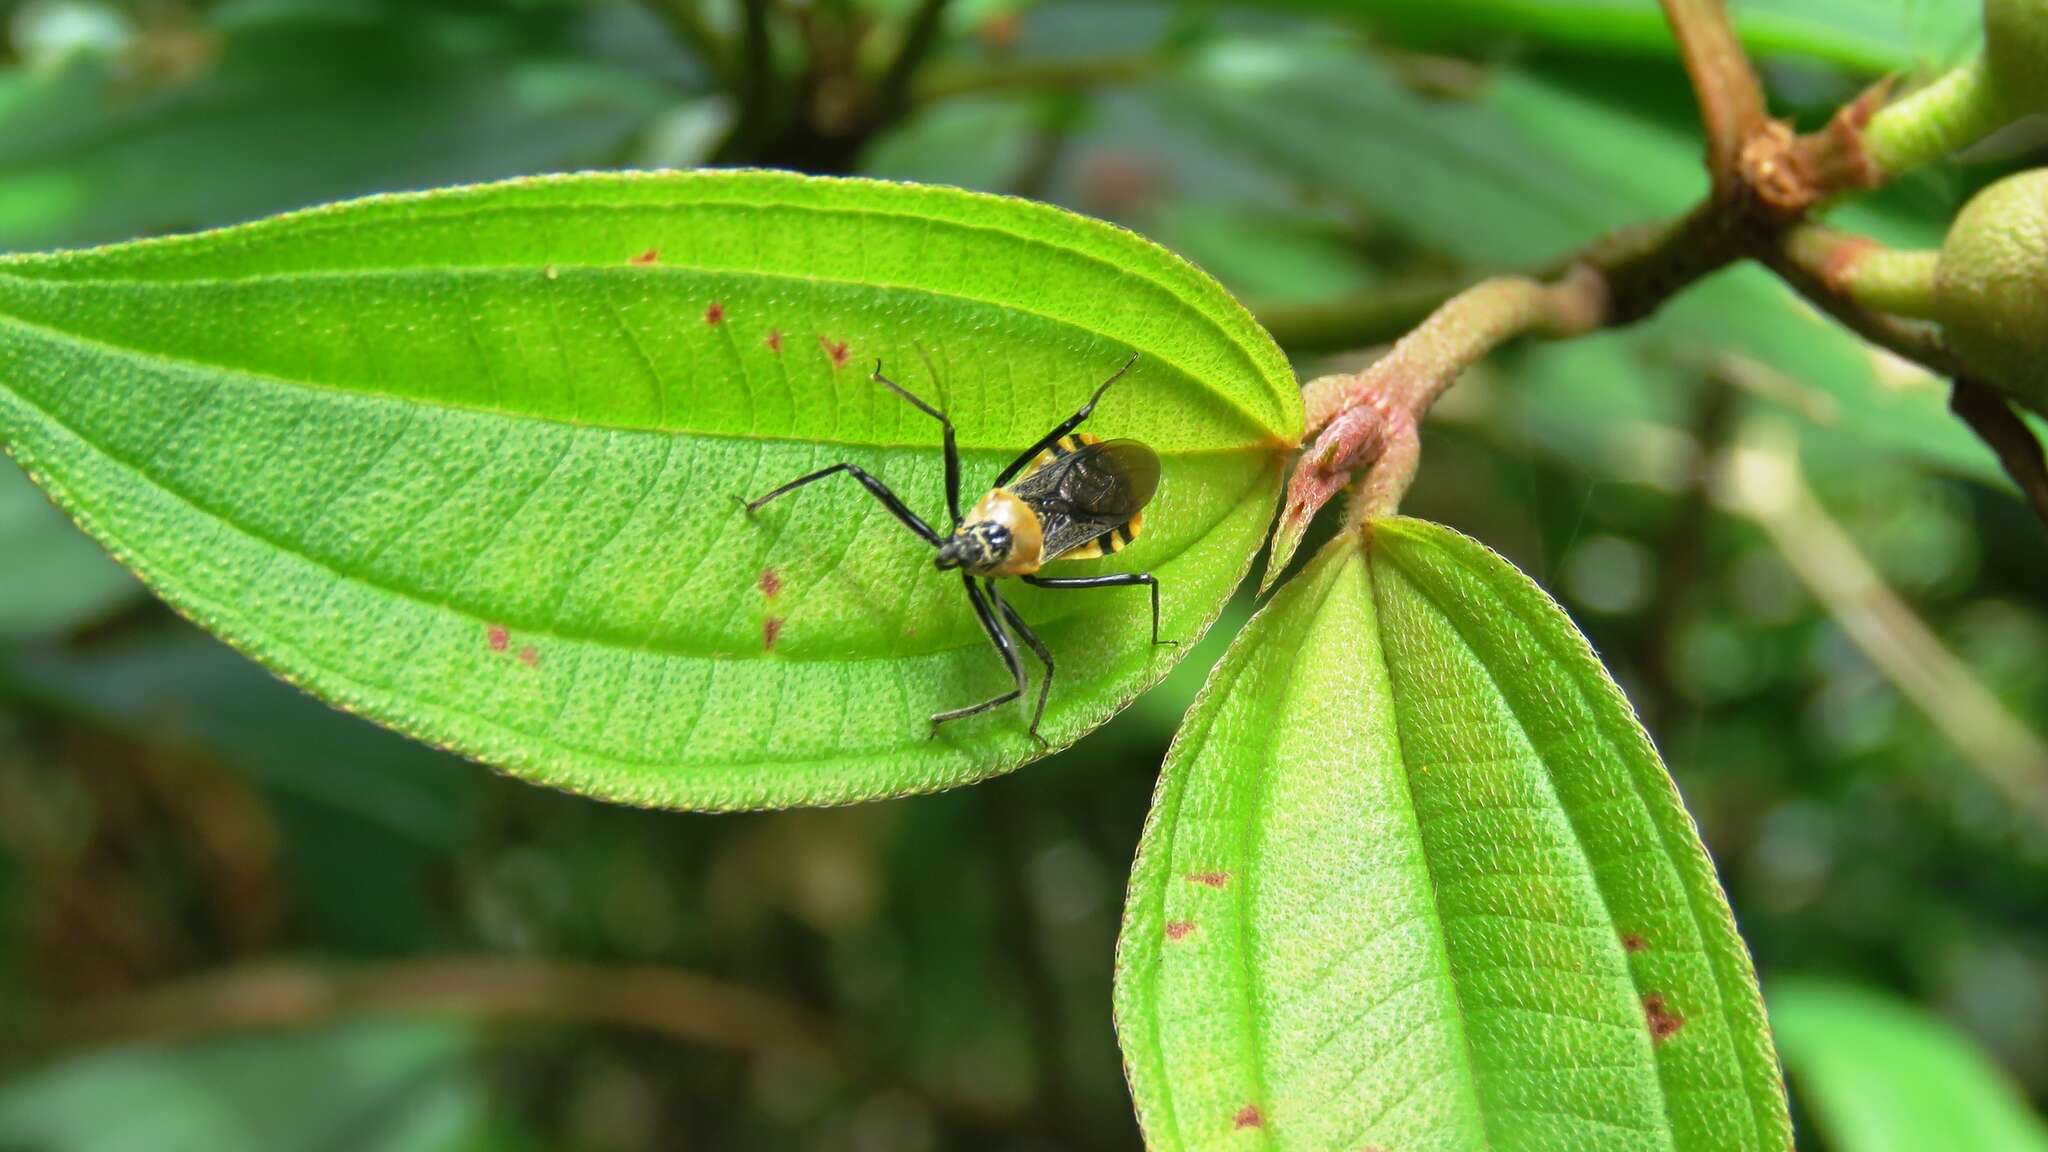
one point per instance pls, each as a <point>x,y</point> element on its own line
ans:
<point>468,461</point>
<point>1414,878</point>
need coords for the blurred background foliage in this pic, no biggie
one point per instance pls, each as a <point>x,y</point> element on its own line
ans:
<point>234,919</point>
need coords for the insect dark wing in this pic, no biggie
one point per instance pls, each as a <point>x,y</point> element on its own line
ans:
<point>1089,496</point>
<point>1111,480</point>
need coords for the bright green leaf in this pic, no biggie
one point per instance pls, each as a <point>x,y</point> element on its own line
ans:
<point>52,578</point>
<point>467,462</point>
<point>1414,878</point>
<point>1877,1075</point>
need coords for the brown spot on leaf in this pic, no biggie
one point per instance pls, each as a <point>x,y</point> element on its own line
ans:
<point>839,352</point>
<point>647,257</point>
<point>771,629</point>
<point>1179,929</point>
<point>498,638</point>
<point>1248,1116</point>
<point>771,582</point>
<point>1664,1023</point>
<point>715,314</point>
<point>1634,942</point>
<point>1209,879</point>
<point>529,657</point>
<point>774,341</point>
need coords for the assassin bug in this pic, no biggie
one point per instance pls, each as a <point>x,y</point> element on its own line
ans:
<point>1069,496</point>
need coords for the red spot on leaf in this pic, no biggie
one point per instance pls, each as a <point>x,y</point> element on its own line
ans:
<point>774,341</point>
<point>1179,929</point>
<point>1664,1023</point>
<point>771,582</point>
<point>715,314</point>
<point>1248,1116</point>
<point>839,352</point>
<point>1634,942</point>
<point>1210,879</point>
<point>498,638</point>
<point>771,628</point>
<point>647,257</point>
<point>529,657</point>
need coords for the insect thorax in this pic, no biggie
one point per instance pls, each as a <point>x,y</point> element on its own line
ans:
<point>1000,537</point>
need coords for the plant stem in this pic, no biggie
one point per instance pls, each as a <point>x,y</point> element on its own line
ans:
<point>1991,416</point>
<point>1955,111</point>
<point>1730,99</point>
<point>1875,277</point>
<point>753,83</point>
<point>1764,481</point>
<point>1820,265</point>
<point>687,24</point>
<point>920,34</point>
<point>1062,76</point>
<point>679,1005</point>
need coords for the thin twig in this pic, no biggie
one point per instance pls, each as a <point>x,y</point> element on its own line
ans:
<point>1058,76</point>
<point>1730,99</point>
<point>1812,271</point>
<point>2018,451</point>
<point>686,22</point>
<point>920,34</point>
<point>271,996</point>
<point>1763,481</point>
<point>754,84</point>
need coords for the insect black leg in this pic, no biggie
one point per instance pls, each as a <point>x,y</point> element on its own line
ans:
<point>1037,646</point>
<point>1004,648</point>
<point>1115,580</point>
<point>952,453</point>
<point>889,499</point>
<point>1065,426</point>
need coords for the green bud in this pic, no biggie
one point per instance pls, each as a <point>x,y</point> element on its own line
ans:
<point>1991,284</point>
<point>2016,50</point>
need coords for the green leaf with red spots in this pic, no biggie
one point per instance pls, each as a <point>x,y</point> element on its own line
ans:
<point>1414,878</point>
<point>467,461</point>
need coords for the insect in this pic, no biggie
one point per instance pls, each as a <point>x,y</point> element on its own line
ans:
<point>1069,496</point>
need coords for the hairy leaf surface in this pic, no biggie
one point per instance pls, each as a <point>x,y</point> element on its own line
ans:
<point>468,462</point>
<point>1414,878</point>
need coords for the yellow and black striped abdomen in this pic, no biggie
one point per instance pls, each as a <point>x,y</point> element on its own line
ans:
<point>1112,541</point>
